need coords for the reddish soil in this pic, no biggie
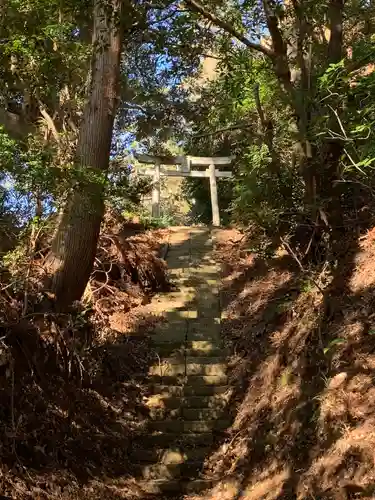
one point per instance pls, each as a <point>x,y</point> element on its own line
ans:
<point>303,368</point>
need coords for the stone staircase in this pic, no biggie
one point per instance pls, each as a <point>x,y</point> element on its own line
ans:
<point>188,384</point>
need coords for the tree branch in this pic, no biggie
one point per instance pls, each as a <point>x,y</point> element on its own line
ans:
<point>49,121</point>
<point>267,129</point>
<point>196,6</point>
<point>301,37</point>
<point>335,15</point>
<point>137,107</point>
<point>279,47</point>
<point>238,126</point>
<point>259,107</point>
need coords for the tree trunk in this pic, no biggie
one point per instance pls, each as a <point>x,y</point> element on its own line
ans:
<point>319,182</point>
<point>332,149</point>
<point>74,245</point>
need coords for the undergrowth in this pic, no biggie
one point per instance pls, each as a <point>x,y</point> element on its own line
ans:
<point>71,400</point>
<point>302,365</point>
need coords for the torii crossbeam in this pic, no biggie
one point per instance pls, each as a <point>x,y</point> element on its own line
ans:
<point>183,169</point>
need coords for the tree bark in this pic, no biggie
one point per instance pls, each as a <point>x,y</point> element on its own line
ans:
<point>74,245</point>
<point>267,129</point>
<point>268,138</point>
<point>335,16</point>
<point>332,149</point>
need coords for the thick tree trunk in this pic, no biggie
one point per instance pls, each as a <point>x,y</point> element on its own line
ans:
<point>74,245</point>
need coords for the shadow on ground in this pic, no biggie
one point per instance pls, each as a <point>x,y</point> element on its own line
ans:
<point>302,404</point>
<point>186,429</point>
<point>69,416</point>
<point>303,368</point>
<point>73,409</point>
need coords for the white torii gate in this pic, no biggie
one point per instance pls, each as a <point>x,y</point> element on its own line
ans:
<point>183,169</point>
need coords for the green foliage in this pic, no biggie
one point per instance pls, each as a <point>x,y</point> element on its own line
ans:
<point>125,192</point>
<point>8,150</point>
<point>166,107</point>
<point>255,191</point>
<point>332,344</point>
<point>197,193</point>
<point>157,222</point>
<point>348,118</point>
<point>307,286</point>
<point>44,65</point>
<point>265,189</point>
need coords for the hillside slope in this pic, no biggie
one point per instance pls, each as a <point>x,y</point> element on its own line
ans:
<point>303,366</point>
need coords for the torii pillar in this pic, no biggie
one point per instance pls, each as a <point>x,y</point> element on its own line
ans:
<point>184,163</point>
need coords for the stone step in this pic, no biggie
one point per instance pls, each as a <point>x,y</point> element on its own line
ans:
<point>164,400</point>
<point>169,456</point>
<point>205,256</point>
<point>182,256</point>
<point>194,426</point>
<point>167,369</point>
<point>203,414</point>
<point>185,380</point>
<point>170,350</point>
<point>186,413</point>
<point>157,487</point>
<point>174,380</point>
<point>180,359</point>
<point>218,401</point>
<point>206,298</point>
<point>205,348</point>
<point>182,294</point>
<point>189,390</point>
<point>206,380</point>
<point>198,281</point>
<point>211,369</point>
<point>193,348</point>
<point>206,272</point>
<point>205,390</point>
<point>169,336</point>
<point>204,312</point>
<point>185,470</point>
<point>201,244</point>
<point>206,267</point>
<point>197,426</point>
<point>177,272</point>
<point>204,335</point>
<point>206,309</point>
<point>177,358</point>
<point>168,401</point>
<point>177,251</point>
<point>205,360</point>
<point>165,413</point>
<point>208,324</point>
<point>207,290</point>
<point>186,311</point>
<point>185,441</point>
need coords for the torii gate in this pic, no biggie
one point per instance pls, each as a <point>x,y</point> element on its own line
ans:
<point>183,169</point>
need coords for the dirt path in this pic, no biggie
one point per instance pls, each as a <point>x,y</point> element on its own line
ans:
<point>189,391</point>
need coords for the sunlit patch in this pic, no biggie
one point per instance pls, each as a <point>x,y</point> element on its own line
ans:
<point>267,488</point>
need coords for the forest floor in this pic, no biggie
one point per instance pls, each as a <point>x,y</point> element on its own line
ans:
<point>301,367</point>
<point>70,396</point>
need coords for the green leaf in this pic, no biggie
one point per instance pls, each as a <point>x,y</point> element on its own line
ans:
<point>333,343</point>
